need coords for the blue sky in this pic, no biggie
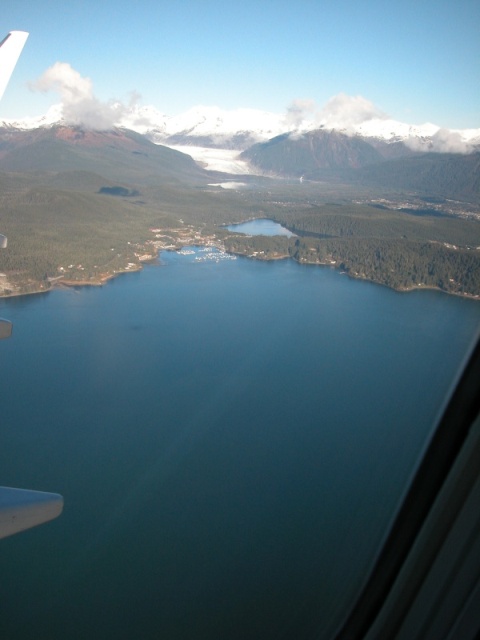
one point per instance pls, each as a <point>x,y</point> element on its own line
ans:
<point>416,61</point>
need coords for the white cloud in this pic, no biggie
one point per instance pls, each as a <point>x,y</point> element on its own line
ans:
<point>443,141</point>
<point>340,112</point>
<point>299,111</point>
<point>349,114</point>
<point>345,112</point>
<point>79,104</point>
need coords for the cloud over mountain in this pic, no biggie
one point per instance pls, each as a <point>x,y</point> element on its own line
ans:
<point>210,126</point>
<point>346,112</point>
<point>443,141</point>
<point>299,111</point>
<point>79,104</point>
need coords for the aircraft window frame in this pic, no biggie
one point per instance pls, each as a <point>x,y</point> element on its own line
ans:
<point>449,440</point>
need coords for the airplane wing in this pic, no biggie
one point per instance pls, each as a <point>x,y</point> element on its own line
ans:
<point>10,50</point>
<point>22,509</point>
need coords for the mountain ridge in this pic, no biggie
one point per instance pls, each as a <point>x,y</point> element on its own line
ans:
<point>322,156</point>
<point>314,150</point>
<point>240,128</point>
<point>117,154</point>
<point>319,155</point>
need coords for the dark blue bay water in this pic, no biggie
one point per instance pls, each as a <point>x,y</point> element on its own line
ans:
<point>231,439</point>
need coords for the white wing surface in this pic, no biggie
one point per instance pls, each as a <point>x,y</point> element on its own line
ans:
<point>10,50</point>
<point>22,509</point>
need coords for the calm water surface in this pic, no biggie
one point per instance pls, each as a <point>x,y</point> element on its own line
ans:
<point>231,439</point>
<point>261,227</point>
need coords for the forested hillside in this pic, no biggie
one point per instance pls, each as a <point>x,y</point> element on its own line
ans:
<point>329,155</point>
<point>80,207</point>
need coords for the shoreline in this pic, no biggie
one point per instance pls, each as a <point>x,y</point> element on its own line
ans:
<point>99,282</point>
<point>71,284</point>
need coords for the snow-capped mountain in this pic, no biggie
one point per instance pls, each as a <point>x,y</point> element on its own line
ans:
<point>240,128</point>
<point>319,154</point>
<point>207,126</point>
<point>204,126</point>
<point>53,116</point>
